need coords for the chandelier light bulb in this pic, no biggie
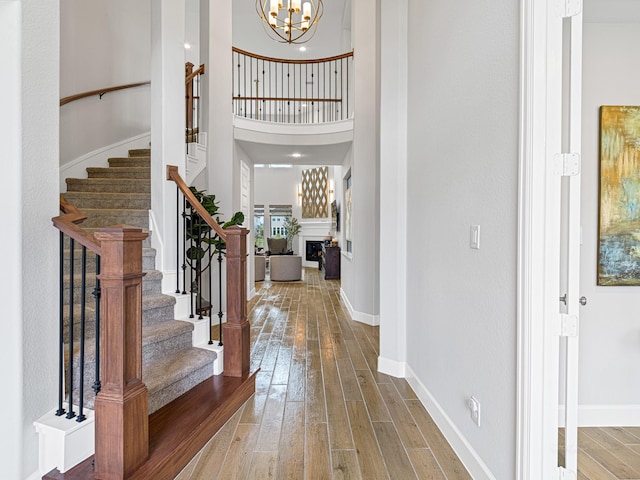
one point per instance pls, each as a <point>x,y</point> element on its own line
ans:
<point>306,11</point>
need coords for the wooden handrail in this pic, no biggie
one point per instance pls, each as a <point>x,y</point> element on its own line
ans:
<point>68,224</point>
<point>100,92</point>
<point>282,60</point>
<point>173,175</point>
<point>194,74</point>
<point>290,99</point>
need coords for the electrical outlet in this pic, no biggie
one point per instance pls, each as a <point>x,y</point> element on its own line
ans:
<point>474,407</point>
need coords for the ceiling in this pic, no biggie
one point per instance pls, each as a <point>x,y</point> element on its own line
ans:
<point>309,154</point>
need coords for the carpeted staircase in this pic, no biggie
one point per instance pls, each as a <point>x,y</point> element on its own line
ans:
<point>121,194</point>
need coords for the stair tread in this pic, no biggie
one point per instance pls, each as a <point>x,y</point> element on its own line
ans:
<point>107,180</point>
<point>170,370</point>
<point>128,211</point>
<point>157,300</point>
<point>107,195</point>
<point>119,168</point>
<point>163,330</point>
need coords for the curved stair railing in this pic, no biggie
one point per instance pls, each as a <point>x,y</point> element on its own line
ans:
<point>100,92</point>
<point>236,329</point>
<point>292,91</point>
<point>121,405</point>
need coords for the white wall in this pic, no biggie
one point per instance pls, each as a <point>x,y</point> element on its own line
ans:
<point>362,296</point>
<point>462,170</point>
<point>609,329</point>
<point>103,44</point>
<point>29,79</point>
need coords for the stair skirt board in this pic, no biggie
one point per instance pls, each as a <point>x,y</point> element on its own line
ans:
<point>179,430</point>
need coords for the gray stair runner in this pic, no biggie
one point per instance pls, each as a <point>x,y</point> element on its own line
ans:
<point>120,194</point>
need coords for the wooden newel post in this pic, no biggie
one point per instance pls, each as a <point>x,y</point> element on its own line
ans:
<point>122,406</point>
<point>236,330</point>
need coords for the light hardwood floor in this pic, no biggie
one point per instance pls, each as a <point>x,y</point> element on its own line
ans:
<point>321,411</point>
<point>607,453</point>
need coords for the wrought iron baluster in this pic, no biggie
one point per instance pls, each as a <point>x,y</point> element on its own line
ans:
<point>61,411</point>
<point>184,245</point>
<point>71,413</point>
<point>97,293</point>
<point>210,290</point>
<point>177,241</point>
<point>83,306</point>
<point>220,296</point>
<point>199,269</point>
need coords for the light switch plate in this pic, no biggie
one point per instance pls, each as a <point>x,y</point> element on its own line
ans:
<point>475,237</point>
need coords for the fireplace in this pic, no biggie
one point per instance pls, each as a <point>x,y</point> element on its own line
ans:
<point>313,249</point>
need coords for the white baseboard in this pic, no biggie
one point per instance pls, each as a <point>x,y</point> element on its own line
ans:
<point>392,367</point>
<point>605,415</point>
<point>252,294</point>
<point>467,455</point>
<point>366,318</point>
<point>98,158</point>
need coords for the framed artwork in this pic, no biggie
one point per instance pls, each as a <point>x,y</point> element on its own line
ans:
<point>619,221</point>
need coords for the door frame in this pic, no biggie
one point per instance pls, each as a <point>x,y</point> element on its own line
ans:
<point>539,240</point>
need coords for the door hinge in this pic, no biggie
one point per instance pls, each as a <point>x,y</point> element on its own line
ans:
<point>571,8</point>
<point>564,474</point>
<point>567,164</point>
<point>568,325</point>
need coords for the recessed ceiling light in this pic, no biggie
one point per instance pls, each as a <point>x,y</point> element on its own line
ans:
<point>187,46</point>
<point>303,49</point>
<point>296,155</point>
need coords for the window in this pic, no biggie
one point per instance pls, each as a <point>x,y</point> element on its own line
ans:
<point>279,214</point>
<point>258,225</point>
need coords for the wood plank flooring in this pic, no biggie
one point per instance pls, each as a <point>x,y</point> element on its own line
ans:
<point>321,410</point>
<point>607,453</point>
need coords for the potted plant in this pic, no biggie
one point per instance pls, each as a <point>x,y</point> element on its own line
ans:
<point>292,228</point>
<point>204,244</point>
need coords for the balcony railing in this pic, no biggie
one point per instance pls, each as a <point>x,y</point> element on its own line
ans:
<point>292,91</point>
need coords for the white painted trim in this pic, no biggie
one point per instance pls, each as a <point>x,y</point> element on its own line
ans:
<point>392,367</point>
<point>605,416</point>
<point>366,318</point>
<point>467,455</point>
<point>64,443</point>
<point>77,168</point>
<point>252,294</point>
<point>36,475</point>
<point>538,241</point>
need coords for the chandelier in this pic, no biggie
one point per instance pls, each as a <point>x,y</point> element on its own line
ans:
<point>289,23</point>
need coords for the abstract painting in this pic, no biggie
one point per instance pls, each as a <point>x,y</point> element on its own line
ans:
<point>619,223</point>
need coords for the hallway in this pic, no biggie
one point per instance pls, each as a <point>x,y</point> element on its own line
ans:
<point>320,409</point>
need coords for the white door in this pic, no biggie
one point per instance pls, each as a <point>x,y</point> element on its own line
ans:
<point>570,287</point>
